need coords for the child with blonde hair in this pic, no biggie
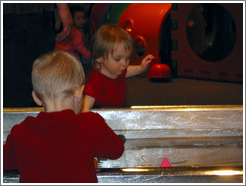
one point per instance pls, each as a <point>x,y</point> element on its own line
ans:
<point>59,145</point>
<point>111,51</point>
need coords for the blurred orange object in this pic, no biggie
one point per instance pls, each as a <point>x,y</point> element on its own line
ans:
<point>95,163</point>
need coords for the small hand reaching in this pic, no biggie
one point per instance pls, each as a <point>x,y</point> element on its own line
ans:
<point>146,61</point>
<point>134,70</point>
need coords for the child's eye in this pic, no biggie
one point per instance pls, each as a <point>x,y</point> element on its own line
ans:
<point>117,59</point>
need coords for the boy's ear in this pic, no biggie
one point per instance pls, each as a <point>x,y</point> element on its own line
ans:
<point>99,60</point>
<point>79,92</point>
<point>36,99</point>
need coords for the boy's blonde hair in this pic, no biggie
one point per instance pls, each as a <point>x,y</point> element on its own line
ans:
<point>56,73</point>
<point>106,39</point>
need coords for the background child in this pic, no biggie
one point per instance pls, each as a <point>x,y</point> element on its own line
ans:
<point>111,50</point>
<point>59,144</point>
<point>80,22</point>
<point>76,42</point>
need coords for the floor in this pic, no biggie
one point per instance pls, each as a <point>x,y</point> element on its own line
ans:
<point>183,91</point>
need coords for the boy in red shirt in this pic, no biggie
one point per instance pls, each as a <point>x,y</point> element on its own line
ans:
<point>59,145</point>
<point>111,50</point>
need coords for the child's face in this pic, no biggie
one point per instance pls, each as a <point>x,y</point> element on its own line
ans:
<point>79,19</point>
<point>116,63</point>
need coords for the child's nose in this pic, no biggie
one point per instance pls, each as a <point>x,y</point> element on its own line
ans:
<point>125,63</point>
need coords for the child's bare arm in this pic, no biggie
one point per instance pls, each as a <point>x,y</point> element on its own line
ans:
<point>88,103</point>
<point>134,70</point>
<point>66,20</point>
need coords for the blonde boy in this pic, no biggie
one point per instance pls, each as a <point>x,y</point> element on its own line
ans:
<point>59,145</point>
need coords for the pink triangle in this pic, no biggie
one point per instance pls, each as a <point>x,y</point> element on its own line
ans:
<point>165,163</point>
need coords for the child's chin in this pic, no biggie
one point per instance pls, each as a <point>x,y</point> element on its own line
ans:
<point>118,74</point>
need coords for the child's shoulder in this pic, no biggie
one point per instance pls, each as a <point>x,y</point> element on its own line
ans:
<point>95,75</point>
<point>95,72</point>
<point>90,113</point>
<point>21,126</point>
<point>91,116</point>
<point>92,120</point>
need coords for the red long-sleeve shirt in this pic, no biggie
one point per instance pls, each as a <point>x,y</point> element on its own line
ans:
<point>106,91</point>
<point>59,147</point>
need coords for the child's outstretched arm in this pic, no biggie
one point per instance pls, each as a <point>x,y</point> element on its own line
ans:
<point>79,44</point>
<point>134,70</point>
<point>88,103</point>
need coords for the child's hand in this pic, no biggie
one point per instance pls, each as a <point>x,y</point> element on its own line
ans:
<point>146,61</point>
<point>122,137</point>
<point>134,70</point>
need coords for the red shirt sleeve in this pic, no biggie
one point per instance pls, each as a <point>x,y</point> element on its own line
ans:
<point>79,43</point>
<point>107,144</point>
<point>93,85</point>
<point>9,155</point>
